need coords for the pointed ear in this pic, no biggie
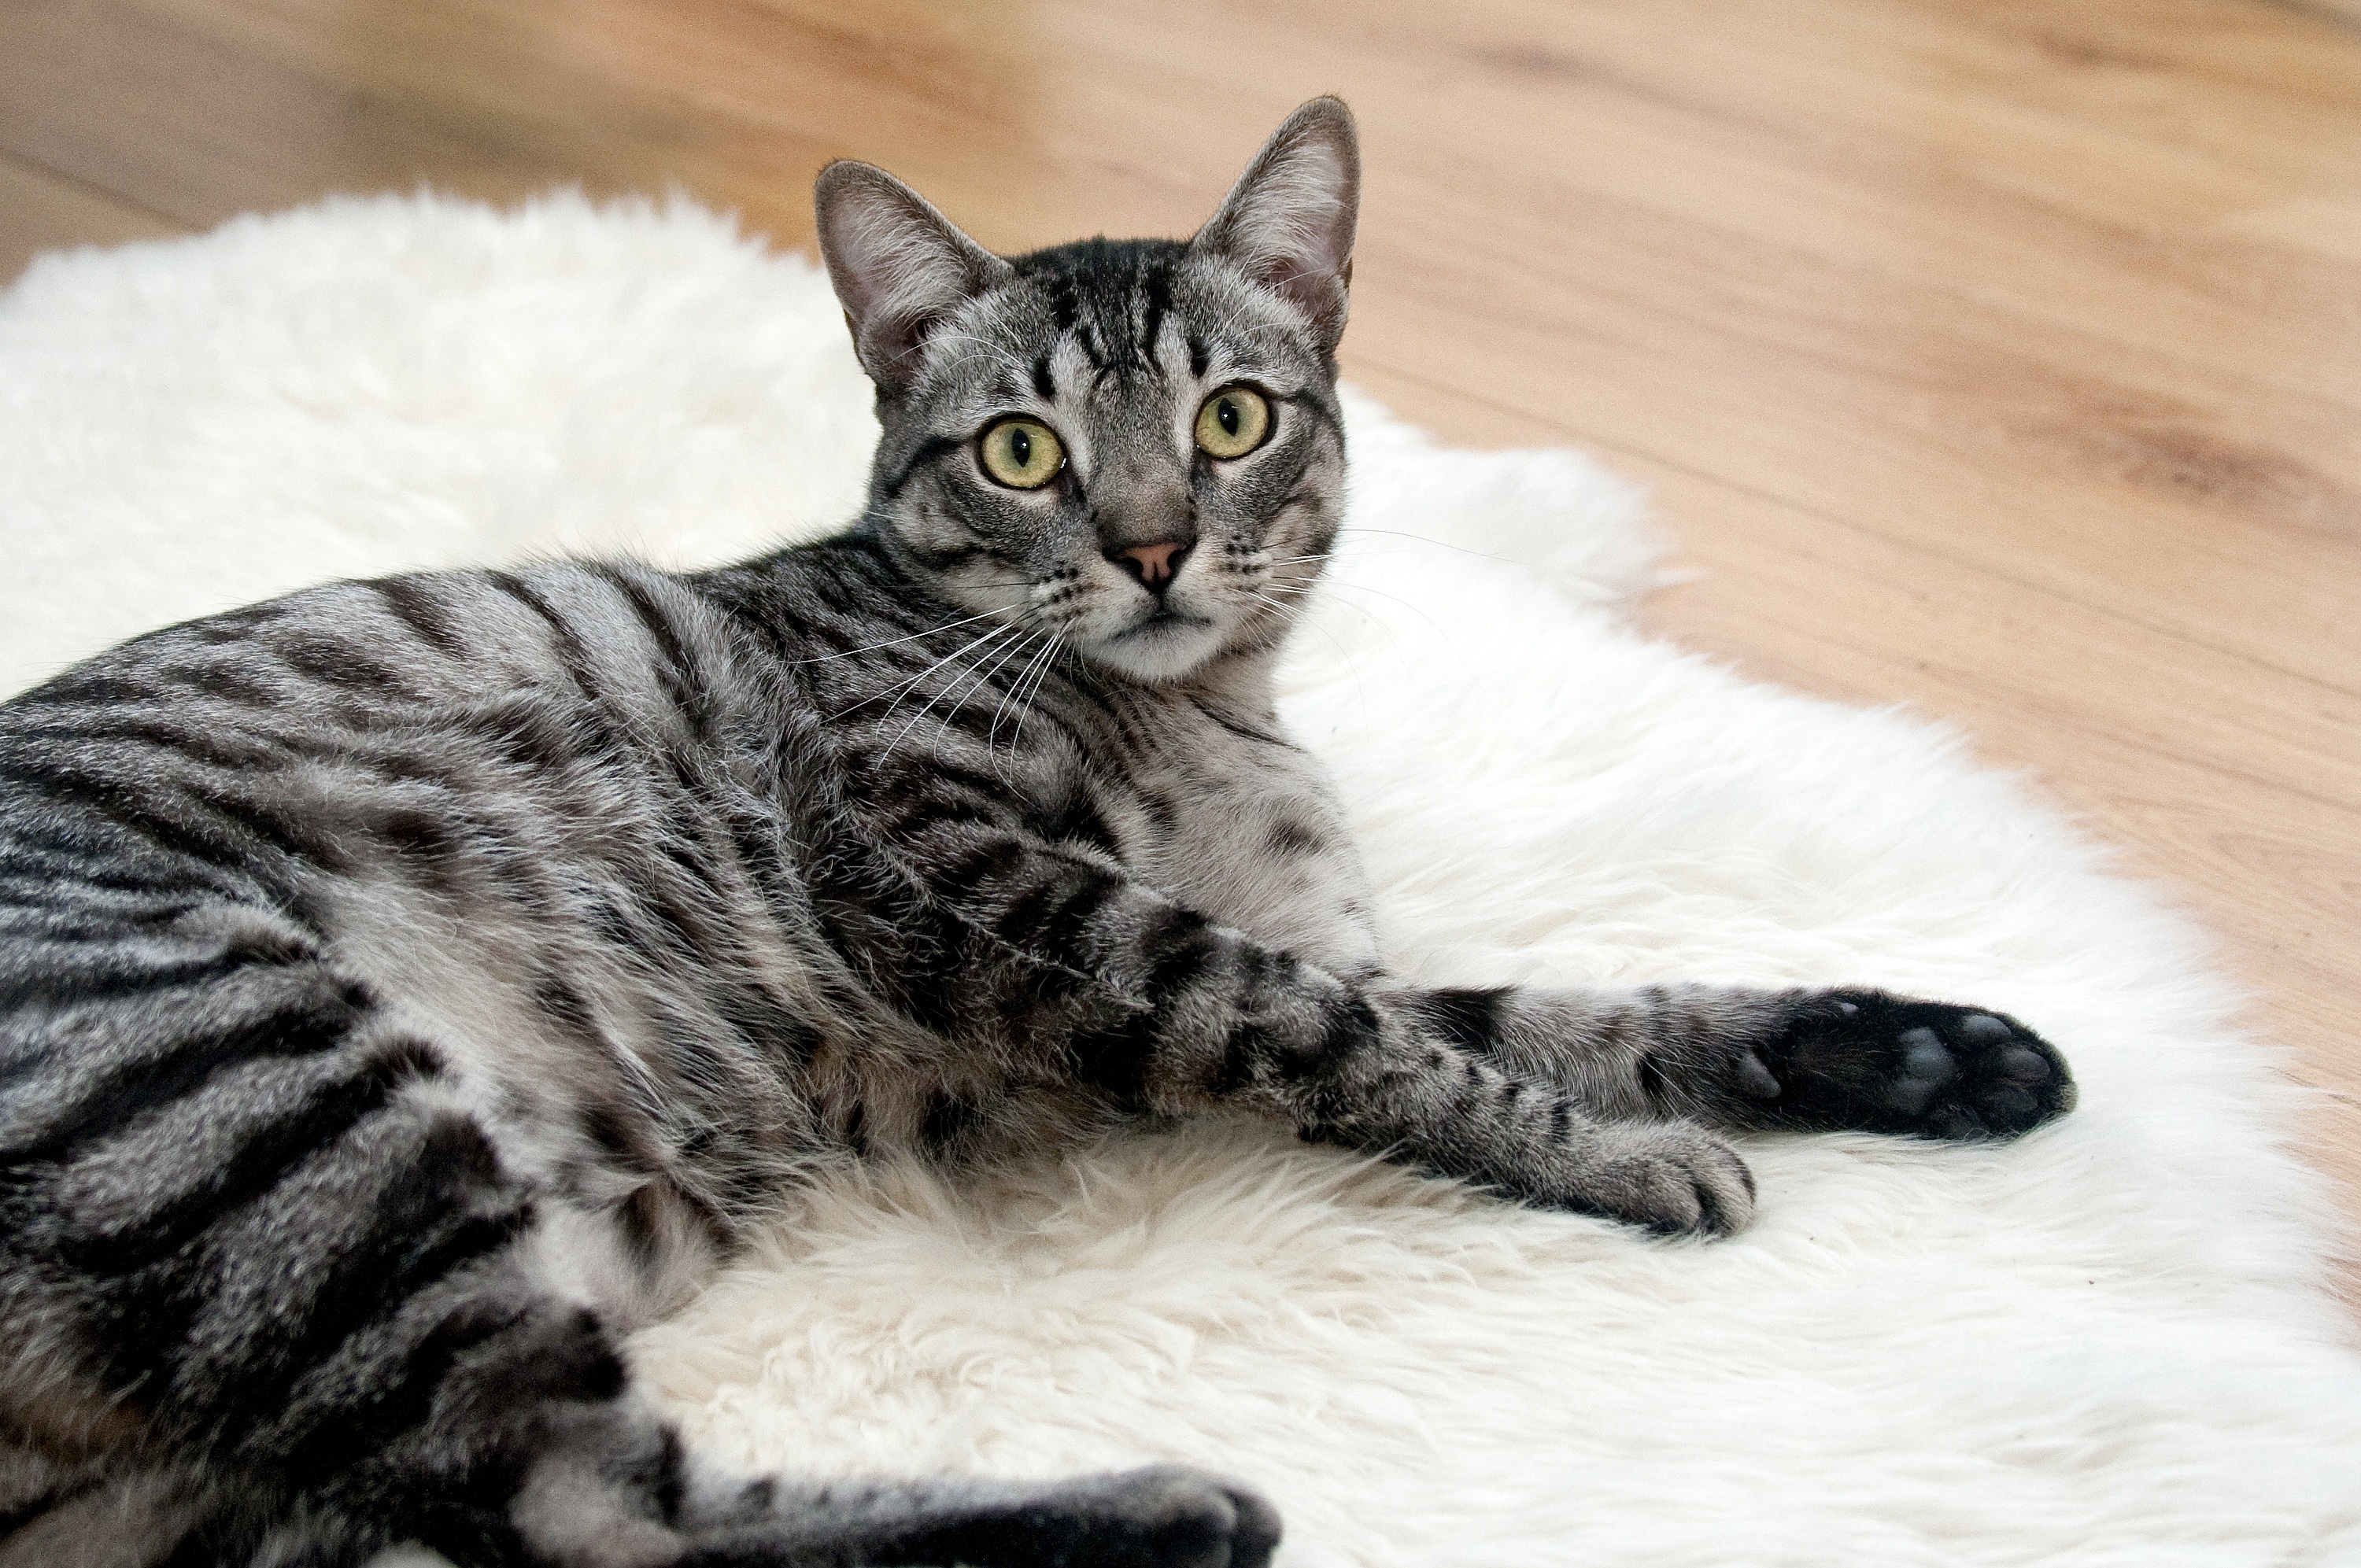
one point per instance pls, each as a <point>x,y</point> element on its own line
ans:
<point>899,265</point>
<point>1289,220</point>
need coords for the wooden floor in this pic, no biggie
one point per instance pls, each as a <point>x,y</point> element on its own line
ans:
<point>2004,360</point>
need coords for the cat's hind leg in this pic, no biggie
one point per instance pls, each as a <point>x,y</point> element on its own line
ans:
<point>286,1278</point>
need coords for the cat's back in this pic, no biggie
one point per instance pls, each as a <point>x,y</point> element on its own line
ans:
<point>294,674</point>
<point>249,752</point>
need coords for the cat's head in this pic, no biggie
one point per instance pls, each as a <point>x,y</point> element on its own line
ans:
<point>1134,446</point>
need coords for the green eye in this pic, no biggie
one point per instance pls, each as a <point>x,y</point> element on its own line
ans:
<point>1023,453</point>
<point>1234,421</point>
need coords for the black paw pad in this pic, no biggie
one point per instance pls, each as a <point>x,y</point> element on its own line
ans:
<point>1755,1081</point>
<point>1867,1060</point>
<point>1928,1066</point>
<point>2019,1064</point>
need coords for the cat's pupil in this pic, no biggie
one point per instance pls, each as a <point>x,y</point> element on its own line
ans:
<point>1020,447</point>
<point>1225,414</point>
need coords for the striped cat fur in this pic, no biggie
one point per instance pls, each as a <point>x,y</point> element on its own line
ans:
<point>408,987</point>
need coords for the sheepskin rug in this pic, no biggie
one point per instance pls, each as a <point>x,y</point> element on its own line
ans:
<point>2109,1343</point>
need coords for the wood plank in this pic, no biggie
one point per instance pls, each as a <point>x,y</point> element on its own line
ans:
<point>2217,509</point>
<point>1800,132</point>
<point>202,114</point>
<point>39,212</point>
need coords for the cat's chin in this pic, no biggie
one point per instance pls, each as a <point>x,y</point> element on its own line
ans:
<point>1158,648</point>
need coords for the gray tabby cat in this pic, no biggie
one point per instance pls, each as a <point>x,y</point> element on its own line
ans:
<point>408,987</point>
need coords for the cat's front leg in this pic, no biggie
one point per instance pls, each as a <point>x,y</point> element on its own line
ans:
<point>1849,1059</point>
<point>1258,1028</point>
<point>1060,965</point>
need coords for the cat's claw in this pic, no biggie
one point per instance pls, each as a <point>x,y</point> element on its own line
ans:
<point>1873,1062</point>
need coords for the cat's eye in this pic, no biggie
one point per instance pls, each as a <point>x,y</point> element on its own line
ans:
<point>1023,453</point>
<point>1234,421</point>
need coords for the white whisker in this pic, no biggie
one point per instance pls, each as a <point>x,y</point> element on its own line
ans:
<point>957,680</point>
<point>992,735</point>
<point>1025,708</point>
<point>903,685</point>
<point>1422,539</point>
<point>891,641</point>
<point>1295,614</point>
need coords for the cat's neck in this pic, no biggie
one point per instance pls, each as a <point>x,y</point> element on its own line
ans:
<point>1244,680</point>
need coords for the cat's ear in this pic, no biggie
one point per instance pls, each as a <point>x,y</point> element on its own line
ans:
<point>900,267</point>
<point>1288,221</point>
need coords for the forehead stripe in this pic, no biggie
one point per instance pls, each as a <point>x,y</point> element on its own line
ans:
<point>933,447</point>
<point>1159,287</point>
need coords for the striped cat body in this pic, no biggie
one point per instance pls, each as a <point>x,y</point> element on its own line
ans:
<point>407,988</point>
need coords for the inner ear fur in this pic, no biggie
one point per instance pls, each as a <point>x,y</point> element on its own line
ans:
<point>900,267</point>
<point>1288,223</point>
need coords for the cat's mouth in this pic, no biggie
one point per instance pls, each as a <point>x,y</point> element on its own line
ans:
<point>1162,644</point>
<point>1163,619</point>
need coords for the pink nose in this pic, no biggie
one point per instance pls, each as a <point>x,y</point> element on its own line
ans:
<point>1153,565</point>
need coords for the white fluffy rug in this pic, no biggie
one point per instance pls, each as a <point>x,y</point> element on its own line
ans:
<point>2107,1343</point>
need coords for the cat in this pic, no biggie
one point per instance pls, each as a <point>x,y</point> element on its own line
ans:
<point>409,987</point>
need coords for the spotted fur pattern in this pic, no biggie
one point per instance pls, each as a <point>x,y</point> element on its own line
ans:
<point>408,987</point>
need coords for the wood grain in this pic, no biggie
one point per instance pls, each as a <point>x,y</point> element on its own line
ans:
<point>1998,356</point>
<point>39,212</point>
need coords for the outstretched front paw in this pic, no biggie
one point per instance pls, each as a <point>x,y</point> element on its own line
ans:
<point>1880,1063</point>
<point>1671,1177</point>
